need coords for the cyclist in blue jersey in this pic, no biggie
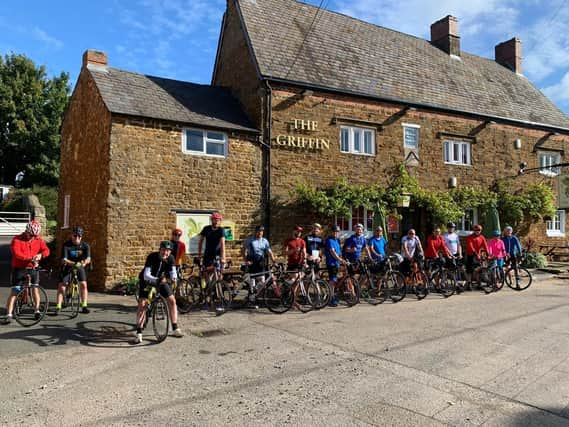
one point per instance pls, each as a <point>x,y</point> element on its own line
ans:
<point>512,244</point>
<point>332,250</point>
<point>355,244</point>
<point>314,245</point>
<point>377,245</point>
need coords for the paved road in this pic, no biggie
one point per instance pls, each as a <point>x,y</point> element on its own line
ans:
<point>497,360</point>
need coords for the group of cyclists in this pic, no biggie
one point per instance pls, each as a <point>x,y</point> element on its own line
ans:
<point>162,267</point>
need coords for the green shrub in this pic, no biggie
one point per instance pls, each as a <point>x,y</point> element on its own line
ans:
<point>534,260</point>
<point>127,286</point>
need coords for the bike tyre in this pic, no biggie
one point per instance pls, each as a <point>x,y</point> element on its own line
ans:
<point>72,299</point>
<point>160,318</point>
<point>182,301</point>
<point>446,284</point>
<point>396,286</point>
<point>420,285</point>
<point>278,297</point>
<point>370,290</point>
<point>24,311</point>
<point>351,298</point>
<point>525,279</point>
<point>323,295</point>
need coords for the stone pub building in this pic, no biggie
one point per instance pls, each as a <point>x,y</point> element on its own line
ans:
<point>295,96</point>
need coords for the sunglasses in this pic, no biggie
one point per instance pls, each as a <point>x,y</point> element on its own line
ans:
<point>77,235</point>
<point>176,235</point>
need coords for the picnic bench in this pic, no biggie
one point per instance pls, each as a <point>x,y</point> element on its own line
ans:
<point>554,251</point>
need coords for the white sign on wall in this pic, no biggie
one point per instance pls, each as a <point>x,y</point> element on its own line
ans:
<point>192,224</point>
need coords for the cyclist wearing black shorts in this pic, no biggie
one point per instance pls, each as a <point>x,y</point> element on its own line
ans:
<point>314,245</point>
<point>75,253</point>
<point>214,237</point>
<point>159,267</point>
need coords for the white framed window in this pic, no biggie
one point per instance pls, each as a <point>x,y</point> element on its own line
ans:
<point>66,207</point>
<point>545,162</point>
<point>468,220</point>
<point>556,226</point>
<point>356,140</point>
<point>357,216</point>
<point>457,152</point>
<point>204,142</point>
<point>411,136</point>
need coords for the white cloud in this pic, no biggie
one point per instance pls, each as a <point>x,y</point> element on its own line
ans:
<point>559,92</point>
<point>44,37</point>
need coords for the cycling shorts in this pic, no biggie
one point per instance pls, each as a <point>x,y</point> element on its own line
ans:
<point>333,273</point>
<point>471,263</point>
<point>144,289</point>
<point>19,278</point>
<point>65,276</point>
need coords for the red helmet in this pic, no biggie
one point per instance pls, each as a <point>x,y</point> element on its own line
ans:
<point>216,215</point>
<point>177,232</point>
<point>34,228</point>
<point>297,228</point>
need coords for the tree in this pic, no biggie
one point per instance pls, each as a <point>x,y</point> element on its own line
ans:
<point>31,111</point>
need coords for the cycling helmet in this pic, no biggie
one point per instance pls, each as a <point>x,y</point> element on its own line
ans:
<point>496,233</point>
<point>316,225</point>
<point>358,225</point>
<point>78,231</point>
<point>397,258</point>
<point>166,244</point>
<point>34,228</point>
<point>335,228</point>
<point>508,228</point>
<point>216,215</point>
<point>177,232</point>
<point>477,227</point>
<point>451,225</point>
<point>260,228</point>
<point>297,228</point>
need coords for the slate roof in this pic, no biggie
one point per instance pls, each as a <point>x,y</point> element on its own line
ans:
<point>139,95</point>
<point>347,54</point>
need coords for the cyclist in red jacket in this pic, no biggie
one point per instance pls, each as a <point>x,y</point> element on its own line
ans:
<point>475,246</point>
<point>27,250</point>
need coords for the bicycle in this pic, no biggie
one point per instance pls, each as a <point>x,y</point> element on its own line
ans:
<point>392,282</point>
<point>156,309</point>
<point>212,290</point>
<point>440,279</point>
<point>491,277</point>
<point>516,277</point>
<point>321,289</point>
<point>72,295</point>
<point>275,292</point>
<point>417,279</point>
<point>456,267</point>
<point>180,289</point>
<point>31,302</point>
<point>370,284</point>
<point>348,288</point>
<point>302,294</point>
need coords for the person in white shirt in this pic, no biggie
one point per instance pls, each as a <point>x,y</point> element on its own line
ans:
<point>452,241</point>
<point>410,248</point>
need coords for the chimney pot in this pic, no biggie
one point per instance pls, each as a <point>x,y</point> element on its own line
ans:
<point>96,57</point>
<point>444,35</point>
<point>509,54</point>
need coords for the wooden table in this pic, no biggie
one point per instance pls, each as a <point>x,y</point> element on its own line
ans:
<point>551,251</point>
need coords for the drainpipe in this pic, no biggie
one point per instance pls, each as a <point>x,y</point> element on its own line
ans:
<point>267,138</point>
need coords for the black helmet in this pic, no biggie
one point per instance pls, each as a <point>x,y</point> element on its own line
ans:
<point>166,244</point>
<point>335,228</point>
<point>451,225</point>
<point>78,231</point>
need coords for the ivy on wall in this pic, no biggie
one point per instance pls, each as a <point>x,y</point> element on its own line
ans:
<point>532,203</point>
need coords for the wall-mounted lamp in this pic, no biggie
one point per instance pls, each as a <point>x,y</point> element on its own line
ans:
<point>452,182</point>
<point>518,144</point>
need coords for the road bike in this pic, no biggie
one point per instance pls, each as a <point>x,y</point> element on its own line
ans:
<point>391,281</point>
<point>210,288</point>
<point>180,287</point>
<point>516,277</point>
<point>320,290</point>
<point>31,302</point>
<point>348,287</point>
<point>441,280</point>
<point>72,295</point>
<point>156,309</point>
<point>417,279</point>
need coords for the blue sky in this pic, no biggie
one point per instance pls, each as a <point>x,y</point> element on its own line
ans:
<point>178,38</point>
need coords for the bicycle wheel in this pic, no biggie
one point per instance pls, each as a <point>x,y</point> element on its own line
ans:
<point>420,284</point>
<point>192,291</point>
<point>221,296</point>
<point>486,280</point>
<point>278,296</point>
<point>25,311</point>
<point>323,294</point>
<point>72,299</point>
<point>304,296</point>
<point>394,286</point>
<point>160,318</point>
<point>350,291</point>
<point>446,283</point>
<point>519,283</point>
<point>370,290</point>
<point>182,300</point>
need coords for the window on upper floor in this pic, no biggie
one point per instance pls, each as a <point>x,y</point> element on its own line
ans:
<point>457,152</point>
<point>357,140</point>
<point>204,142</point>
<point>411,136</point>
<point>546,160</point>
<point>556,226</point>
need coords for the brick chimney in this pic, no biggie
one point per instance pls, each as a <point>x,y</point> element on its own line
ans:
<point>509,54</point>
<point>95,57</point>
<point>444,35</point>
